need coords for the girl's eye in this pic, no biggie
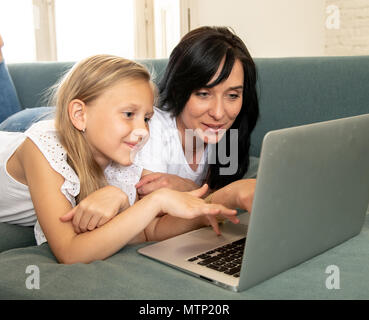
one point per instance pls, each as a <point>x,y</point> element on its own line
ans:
<point>128,114</point>
<point>147,120</point>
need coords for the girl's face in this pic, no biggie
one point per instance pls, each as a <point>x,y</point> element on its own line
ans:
<point>213,110</point>
<point>117,121</point>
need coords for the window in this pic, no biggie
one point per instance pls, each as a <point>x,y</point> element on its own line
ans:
<point>84,28</point>
<point>17,31</point>
<point>70,30</point>
<point>167,26</point>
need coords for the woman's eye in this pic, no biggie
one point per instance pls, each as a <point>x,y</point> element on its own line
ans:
<point>233,96</point>
<point>202,94</point>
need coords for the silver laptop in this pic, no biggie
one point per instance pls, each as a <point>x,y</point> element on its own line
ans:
<point>312,194</point>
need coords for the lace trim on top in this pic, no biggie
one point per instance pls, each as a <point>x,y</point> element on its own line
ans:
<point>45,136</point>
<point>124,178</point>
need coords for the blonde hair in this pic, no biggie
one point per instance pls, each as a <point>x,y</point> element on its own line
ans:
<point>86,81</point>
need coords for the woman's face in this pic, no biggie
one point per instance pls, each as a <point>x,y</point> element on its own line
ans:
<point>211,111</point>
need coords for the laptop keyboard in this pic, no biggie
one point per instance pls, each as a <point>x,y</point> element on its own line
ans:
<point>227,258</point>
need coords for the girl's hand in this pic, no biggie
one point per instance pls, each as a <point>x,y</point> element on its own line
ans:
<point>97,209</point>
<point>157,180</point>
<point>189,205</point>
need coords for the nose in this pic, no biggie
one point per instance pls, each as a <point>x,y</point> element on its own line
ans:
<point>140,131</point>
<point>216,110</point>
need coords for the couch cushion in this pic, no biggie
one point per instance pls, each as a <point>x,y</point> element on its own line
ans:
<point>14,236</point>
<point>128,275</point>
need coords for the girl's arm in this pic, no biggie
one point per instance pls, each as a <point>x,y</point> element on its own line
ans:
<point>165,227</point>
<point>168,226</point>
<point>50,204</point>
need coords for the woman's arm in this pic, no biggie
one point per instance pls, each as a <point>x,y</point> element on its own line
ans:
<point>236,195</point>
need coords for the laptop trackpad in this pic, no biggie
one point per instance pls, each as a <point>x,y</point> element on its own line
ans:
<point>228,229</point>
<point>205,239</point>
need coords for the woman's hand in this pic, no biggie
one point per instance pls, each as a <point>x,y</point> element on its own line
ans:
<point>190,205</point>
<point>245,193</point>
<point>97,209</point>
<point>157,180</point>
<point>239,194</point>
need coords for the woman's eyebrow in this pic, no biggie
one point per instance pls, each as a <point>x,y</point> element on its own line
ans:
<point>235,88</point>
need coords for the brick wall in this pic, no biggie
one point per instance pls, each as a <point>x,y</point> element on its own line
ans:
<point>347,27</point>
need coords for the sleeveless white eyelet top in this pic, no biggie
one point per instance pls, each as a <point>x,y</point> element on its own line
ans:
<point>16,205</point>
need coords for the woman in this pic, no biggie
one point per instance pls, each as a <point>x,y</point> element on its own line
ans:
<point>208,86</point>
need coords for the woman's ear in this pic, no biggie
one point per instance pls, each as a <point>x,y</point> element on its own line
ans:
<point>77,114</point>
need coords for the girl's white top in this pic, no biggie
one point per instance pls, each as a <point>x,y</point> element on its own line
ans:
<point>16,205</point>
<point>164,153</point>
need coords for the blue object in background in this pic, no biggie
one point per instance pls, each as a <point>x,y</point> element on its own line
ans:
<point>21,121</point>
<point>9,102</point>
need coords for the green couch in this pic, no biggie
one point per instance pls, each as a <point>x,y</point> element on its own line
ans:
<point>292,91</point>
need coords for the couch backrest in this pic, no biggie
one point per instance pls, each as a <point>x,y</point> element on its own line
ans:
<point>292,91</point>
<point>32,80</point>
<point>296,91</point>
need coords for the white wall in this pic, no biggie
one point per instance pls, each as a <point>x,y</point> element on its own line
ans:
<point>270,28</point>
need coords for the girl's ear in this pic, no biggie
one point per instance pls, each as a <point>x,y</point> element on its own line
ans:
<point>77,114</point>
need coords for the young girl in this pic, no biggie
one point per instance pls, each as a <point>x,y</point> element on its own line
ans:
<point>103,107</point>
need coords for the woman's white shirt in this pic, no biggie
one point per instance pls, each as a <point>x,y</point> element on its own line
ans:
<point>163,152</point>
